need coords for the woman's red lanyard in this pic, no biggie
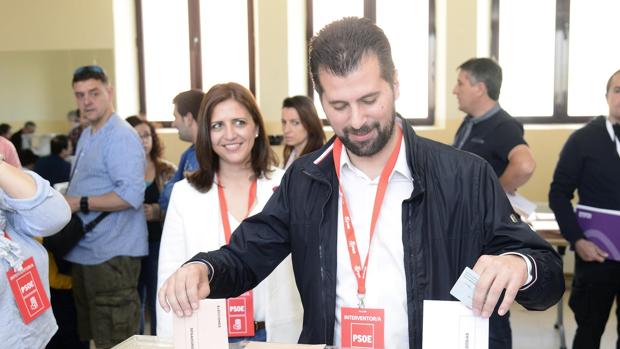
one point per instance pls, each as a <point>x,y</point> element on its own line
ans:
<point>360,273</point>
<point>224,207</point>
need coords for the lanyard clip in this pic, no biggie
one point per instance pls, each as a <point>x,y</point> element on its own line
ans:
<point>360,303</point>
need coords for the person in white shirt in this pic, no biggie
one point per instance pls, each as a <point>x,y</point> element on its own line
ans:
<point>436,210</point>
<point>235,178</point>
<point>302,128</point>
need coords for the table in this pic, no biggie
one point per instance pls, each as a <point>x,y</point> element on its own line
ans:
<point>549,230</point>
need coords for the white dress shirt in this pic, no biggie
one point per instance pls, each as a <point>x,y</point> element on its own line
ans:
<point>385,277</point>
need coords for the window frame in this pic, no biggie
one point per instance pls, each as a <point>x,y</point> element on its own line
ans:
<point>195,51</point>
<point>561,67</point>
<point>370,12</point>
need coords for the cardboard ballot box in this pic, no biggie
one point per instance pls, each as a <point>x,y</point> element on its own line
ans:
<point>153,342</point>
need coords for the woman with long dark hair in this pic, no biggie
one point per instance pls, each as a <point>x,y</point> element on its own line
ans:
<point>158,171</point>
<point>237,174</point>
<point>302,128</point>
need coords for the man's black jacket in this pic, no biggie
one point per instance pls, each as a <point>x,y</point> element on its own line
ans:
<point>456,213</point>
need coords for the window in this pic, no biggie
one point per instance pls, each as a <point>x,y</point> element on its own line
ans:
<point>224,32</point>
<point>165,44</point>
<point>555,67</point>
<point>172,35</point>
<point>409,26</point>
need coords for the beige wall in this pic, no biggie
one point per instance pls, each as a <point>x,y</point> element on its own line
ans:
<point>42,42</point>
<point>36,85</point>
<point>48,39</point>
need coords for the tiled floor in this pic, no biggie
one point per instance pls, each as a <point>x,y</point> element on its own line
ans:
<point>534,330</point>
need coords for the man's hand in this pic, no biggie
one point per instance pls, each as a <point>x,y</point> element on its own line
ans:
<point>589,252</point>
<point>496,274</point>
<point>183,289</point>
<point>74,203</point>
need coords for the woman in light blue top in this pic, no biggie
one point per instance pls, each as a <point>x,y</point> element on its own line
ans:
<point>29,208</point>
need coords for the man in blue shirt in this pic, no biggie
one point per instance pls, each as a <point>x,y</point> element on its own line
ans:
<point>107,176</point>
<point>54,167</point>
<point>186,107</point>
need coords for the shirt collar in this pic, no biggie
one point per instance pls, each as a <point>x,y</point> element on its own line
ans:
<point>610,129</point>
<point>486,115</point>
<point>112,120</point>
<point>401,167</point>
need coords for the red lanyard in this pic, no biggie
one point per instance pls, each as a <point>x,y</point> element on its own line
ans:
<point>360,273</point>
<point>224,207</point>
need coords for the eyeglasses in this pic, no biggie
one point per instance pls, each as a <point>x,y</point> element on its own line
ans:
<point>89,69</point>
<point>145,136</point>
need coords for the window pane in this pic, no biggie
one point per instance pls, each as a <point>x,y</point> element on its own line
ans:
<point>526,54</point>
<point>594,54</point>
<point>327,11</point>
<point>405,22</point>
<point>166,45</point>
<point>224,32</point>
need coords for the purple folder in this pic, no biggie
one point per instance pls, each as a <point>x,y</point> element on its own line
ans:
<point>602,227</point>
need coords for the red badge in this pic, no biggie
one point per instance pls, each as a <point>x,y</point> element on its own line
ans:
<point>240,313</point>
<point>28,290</point>
<point>361,328</point>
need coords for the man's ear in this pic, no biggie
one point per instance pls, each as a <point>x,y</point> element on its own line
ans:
<point>110,89</point>
<point>188,119</point>
<point>481,88</point>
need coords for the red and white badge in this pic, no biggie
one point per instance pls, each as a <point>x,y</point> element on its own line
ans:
<point>28,290</point>
<point>240,313</point>
<point>361,328</point>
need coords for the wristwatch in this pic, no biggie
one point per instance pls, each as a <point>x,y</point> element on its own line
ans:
<point>84,204</point>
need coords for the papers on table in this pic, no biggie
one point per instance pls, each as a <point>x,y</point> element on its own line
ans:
<point>519,203</point>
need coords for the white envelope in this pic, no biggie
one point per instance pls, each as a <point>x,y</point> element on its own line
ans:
<point>451,325</point>
<point>207,328</point>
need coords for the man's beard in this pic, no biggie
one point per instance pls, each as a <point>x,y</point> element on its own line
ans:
<point>371,146</point>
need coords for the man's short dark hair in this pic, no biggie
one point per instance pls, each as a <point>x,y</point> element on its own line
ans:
<point>189,102</point>
<point>88,72</point>
<point>609,81</point>
<point>486,71</point>
<point>30,124</point>
<point>59,143</point>
<point>340,46</point>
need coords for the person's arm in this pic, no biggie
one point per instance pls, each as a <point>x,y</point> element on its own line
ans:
<point>237,267</point>
<point>16,183</point>
<point>38,210</point>
<point>109,202</point>
<point>505,233</point>
<point>566,179</point>
<point>125,163</point>
<point>521,166</point>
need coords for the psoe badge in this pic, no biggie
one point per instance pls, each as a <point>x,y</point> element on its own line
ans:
<point>28,291</point>
<point>362,328</point>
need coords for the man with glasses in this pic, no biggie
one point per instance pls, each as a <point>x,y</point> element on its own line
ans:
<point>107,176</point>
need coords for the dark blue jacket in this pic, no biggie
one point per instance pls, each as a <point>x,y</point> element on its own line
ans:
<point>457,212</point>
<point>53,168</point>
